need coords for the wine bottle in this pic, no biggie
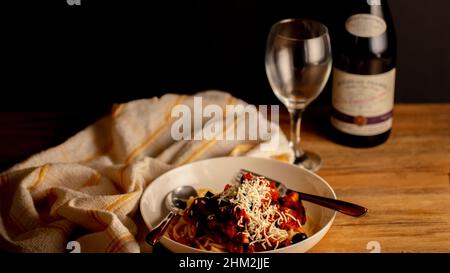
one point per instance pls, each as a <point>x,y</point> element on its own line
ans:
<point>363,74</point>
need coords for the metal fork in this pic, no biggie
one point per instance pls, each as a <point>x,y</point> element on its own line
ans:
<point>334,204</point>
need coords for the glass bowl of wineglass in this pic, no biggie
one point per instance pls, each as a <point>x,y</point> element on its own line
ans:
<point>298,64</point>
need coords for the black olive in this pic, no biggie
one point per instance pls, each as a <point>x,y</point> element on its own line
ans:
<point>242,179</point>
<point>209,194</point>
<point>299,237</point>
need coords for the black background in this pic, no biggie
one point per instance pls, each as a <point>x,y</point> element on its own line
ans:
<point>61,57</point>
<point>369,262</point>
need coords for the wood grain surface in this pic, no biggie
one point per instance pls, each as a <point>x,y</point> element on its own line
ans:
<point>405,183</point>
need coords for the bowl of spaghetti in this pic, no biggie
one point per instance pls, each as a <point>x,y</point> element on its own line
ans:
<point>245,216</point>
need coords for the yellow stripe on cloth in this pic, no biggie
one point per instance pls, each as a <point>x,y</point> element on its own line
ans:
<point>93,180</point>
<point>156,133</point>
<point>122,176</point>
<point>120,200</point>
<point>117,110</point>
<point>281,157</point>
<point>201,150</point>
<point>117,243</point>
<point>241,149</point>
<point>42,172</point>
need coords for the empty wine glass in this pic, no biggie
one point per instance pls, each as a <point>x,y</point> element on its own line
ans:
<point>298,64</point>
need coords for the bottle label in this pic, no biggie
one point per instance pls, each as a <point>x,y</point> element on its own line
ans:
<point>362,104</point>
<point>365,25</point>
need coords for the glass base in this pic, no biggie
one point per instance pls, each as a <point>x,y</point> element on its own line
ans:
<point>309,161</point>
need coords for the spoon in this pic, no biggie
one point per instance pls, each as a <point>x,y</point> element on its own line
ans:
<point>175,202</point>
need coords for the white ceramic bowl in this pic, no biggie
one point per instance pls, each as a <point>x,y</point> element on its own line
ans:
<point>215,173</point>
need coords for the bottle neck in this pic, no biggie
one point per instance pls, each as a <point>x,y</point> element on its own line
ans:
<point>378,7</point>
<point>377,10</point>
<point>375,7</point>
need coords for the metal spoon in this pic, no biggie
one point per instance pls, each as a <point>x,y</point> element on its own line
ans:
<point>175,202</point>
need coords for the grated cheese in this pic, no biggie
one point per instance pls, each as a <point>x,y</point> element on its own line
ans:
<point>254,197</point>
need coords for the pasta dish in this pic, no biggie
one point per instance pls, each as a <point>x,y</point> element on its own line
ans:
<point>249,217</point>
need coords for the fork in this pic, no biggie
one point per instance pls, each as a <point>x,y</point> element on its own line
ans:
<point>334,204</point>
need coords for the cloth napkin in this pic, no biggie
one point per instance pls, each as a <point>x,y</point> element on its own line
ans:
<point>88,188</point>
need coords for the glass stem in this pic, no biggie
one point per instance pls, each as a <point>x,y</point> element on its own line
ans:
<point>296,121</point>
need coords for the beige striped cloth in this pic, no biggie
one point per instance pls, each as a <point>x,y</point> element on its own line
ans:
<point>88,188</point>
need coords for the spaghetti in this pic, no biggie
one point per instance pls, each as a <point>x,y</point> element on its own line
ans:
<point>250,217</point>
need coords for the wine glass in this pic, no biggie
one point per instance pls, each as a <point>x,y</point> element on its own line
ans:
<point>298,64</point>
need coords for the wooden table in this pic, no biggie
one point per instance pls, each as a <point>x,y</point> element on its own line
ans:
<point>404,182</point>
